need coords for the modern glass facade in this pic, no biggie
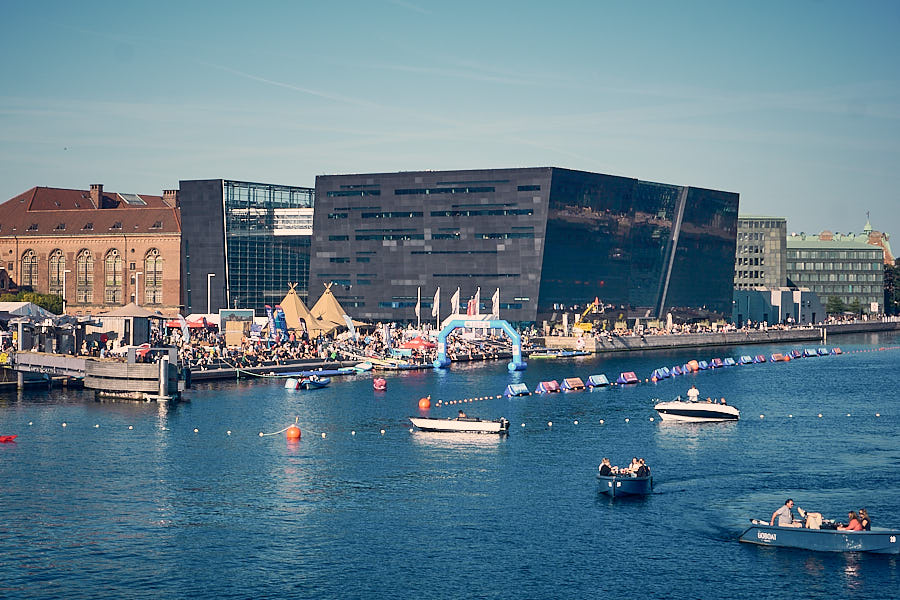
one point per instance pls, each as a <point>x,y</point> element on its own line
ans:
<point>548,238</point>
<point>253,238</point>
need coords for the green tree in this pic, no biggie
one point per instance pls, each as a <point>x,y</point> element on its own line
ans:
<point>855,306</point>
<point>892,288</point>
<point>834,305</point>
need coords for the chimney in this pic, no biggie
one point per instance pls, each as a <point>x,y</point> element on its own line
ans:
<point>96,194</point>
<point>170,197</point>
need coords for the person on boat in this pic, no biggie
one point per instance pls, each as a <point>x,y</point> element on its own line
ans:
<point>723,400</point>
<point>864,520</point>
<point>634,466</point>
<point>606,468</point>
<point>852,524</point>
<point>693,394</point>
<point>461,415</point>
<point>784,515</point>
<point>643,470</point>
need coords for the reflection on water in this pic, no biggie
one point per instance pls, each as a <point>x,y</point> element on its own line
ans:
<point>689,436</point>
<point>450,440</point>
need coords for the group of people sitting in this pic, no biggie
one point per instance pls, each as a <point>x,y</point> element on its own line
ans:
<point>637,468</point>
<point>813,520</point>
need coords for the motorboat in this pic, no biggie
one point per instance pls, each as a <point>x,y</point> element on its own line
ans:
<point>879,540</point>
<point>313,382</point>
<point>696,412</point>
<point>462,425</point>
<point>625,485</point>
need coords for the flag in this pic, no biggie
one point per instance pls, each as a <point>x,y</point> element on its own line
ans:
<point>418,303</point>
<point>454,302</point>
<point>470,307</point>
<point>477,302</point>
<point>436,307</point>
<point>271,317</point>
<point>495,305</point>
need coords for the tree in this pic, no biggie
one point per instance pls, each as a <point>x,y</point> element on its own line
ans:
<point>834,305</point>
<point>892,288</point>
<point>855,306</point>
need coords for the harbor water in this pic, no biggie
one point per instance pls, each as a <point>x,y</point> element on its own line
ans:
<point>147,500</point>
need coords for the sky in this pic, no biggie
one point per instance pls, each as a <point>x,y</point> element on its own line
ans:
<point>793,105</point>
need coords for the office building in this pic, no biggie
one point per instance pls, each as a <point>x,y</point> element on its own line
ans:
<point>761,258</point>
<point>243,243</point>
<point>550,239</point>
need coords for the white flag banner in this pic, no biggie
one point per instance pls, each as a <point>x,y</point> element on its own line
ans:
<point>478,301</point>
<point>454,302</point>
<point>495,305</point>
<point>418,303</point>
<point>436,307</point>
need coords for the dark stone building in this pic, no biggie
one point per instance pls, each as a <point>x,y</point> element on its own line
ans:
<point>550,239</point>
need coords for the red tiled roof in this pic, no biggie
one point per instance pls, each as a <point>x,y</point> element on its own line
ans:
<point>53,211</point>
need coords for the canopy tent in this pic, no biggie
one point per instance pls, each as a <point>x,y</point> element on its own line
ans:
<point>25,309</point>
<point>131,310</point>
<point>329,310</point>
<point>417,344</point>
<point>295,312</point>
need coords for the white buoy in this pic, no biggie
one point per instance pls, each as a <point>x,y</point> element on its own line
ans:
<point>131,427</point>
<point>601,421</point>
<point>410,429</point>
<point>228,432</point>
<point>96,426</point>
<point>261,434</point>
<point>549,423</point>
<point>523,424</point>
<point>877,414</point>
<point>820,415</point>
<point>382,432</point>
<point>762,416</point>
<point>323,435</point>
<point>848,414</point>
<point>64,424</point>
<point>353,433</point>
<point>576,421</point>
<point>31,422</point>
<point>790,416</point>
<point>196,430</point>
<point>651,419</point>
<point>627,420</point>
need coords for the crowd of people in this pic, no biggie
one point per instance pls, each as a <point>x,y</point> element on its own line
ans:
<point>637,468</point>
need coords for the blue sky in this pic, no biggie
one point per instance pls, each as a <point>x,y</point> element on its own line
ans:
<point>794,105</point>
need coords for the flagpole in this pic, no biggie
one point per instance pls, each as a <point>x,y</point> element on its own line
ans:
<point>419,309</point>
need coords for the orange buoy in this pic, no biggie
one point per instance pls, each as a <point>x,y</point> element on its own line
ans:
<point>425,402</point>
<point>292,432</point>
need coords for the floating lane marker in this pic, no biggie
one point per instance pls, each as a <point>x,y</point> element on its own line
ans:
<point>131,427</point>
<point>64,424</point>
<point>196,430</point>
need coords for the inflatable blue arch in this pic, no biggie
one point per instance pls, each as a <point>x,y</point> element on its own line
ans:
<point>442,362</point>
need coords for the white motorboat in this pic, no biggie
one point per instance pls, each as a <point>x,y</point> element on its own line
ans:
<point>461,424</point>
<point>696,412</point>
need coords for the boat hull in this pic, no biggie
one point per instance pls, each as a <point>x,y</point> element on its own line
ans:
<point>625,486</point>
<point>878,541</point>
<point>696,412</point>
<point>464,425</point>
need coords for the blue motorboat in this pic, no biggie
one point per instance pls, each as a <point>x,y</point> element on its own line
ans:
<point>314,382</point>
<point>879,540</point>
<point>625,485</point>
<point>597,381</point>
<point>516,389</point>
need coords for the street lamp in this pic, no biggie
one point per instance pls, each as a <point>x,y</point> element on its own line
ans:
<point>64,289</point>
<point>137,287</point>
<point>209,277</point>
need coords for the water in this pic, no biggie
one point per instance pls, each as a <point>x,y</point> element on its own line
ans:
<point>162,511</point>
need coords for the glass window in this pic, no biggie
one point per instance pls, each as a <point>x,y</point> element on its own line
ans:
<point>57,272</point>
<point>29,269</point>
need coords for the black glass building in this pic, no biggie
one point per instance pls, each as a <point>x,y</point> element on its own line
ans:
<point>548,238</point>
<point>243,243</point>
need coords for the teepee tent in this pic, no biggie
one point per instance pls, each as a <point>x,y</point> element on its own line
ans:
<point>295,312</point>
<point>329,310</point>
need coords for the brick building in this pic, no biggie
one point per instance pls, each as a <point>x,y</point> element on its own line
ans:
<point>96,249</point>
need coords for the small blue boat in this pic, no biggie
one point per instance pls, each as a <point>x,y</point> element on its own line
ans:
<point>597,381</point>
<point>516,389</point>
<point>729,362</point>
<point>745,359</point>
<point>878,541</point>
<point>703,365</point>
<point>572,384</point>
<point>625,485</point>
<point>314,383</point>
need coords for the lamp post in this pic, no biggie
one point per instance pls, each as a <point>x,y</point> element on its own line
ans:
<point>137,287</point>
<point>209,277</point>
<point>64,289</point>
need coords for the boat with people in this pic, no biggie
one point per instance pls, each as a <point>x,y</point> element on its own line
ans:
<point>462,424</point>
<point>314,382</point>
<point>822,535</point>
<point>688,411</point>
<point>625,485</point>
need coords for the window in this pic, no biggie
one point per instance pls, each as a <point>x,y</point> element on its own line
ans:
<point>84,277</point>
<point>29,269</point>
<point>153,277</point>
<point>88,227</point>
<point>113,271</point>
<point>57,272</point>
<point>338,238</point>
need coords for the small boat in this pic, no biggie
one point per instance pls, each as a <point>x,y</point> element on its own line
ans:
<point>810,352</point>
<point>696,412</point>
<point>729,362</point>
<point>558,354</point>
<point>879,540</point>
<point>7,438</point>
<point>379,384</point>
<point>703,365</point>
<point>836,350</point>
<point>759,358</point>
<point>745,360</point>
<point>572,384</point>
<point>461,424</point>
<point>716,363</point>
<point>627,377</point>
<point>597,381</point>
<point>516,389</point>
<point>823,351</point>
<point>362,367</point>
<point>625,485</point>
<point>314,383</point>
<point>547,387</point>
